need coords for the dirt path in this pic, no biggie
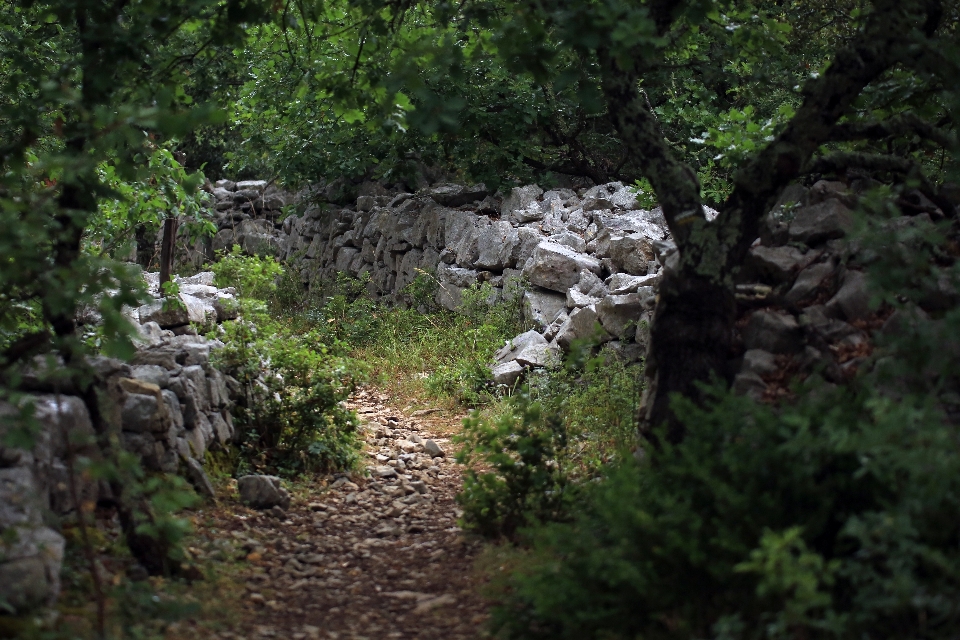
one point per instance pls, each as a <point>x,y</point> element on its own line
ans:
<point>376,557</point>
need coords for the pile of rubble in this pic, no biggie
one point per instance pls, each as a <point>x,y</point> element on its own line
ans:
<point>588,257</point>
<point>169,405</point>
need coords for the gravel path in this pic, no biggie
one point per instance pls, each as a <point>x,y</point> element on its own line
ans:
<point>375,557</point>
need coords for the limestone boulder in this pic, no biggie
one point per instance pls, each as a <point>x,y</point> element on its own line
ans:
<point>557,267</point>
<point>631,253</point>
<point>263,492</point>
<point>773,331</point>
<point>582,325</point>
<point>619,313</point>
<point>519,198</point>
<point>507,373</point>
<point>821,222</point>
<point>541,307</point>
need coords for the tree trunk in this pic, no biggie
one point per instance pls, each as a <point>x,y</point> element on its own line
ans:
<point>167,250</point>
<point>693,325</point>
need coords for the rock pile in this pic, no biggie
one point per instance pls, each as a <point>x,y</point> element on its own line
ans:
<point>804,303</point>
<point>590,257</point>
<point>169,405</point>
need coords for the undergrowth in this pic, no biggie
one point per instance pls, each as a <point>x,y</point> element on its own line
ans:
<point>291,418</point>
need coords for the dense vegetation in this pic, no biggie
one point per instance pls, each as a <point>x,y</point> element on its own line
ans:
<point>833,515</point>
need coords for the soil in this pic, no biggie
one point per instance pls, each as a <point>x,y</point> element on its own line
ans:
<point>376,555</point>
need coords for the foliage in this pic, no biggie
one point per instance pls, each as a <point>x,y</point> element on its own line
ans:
<point>164,190</point>
<point>830,520</point>
<point>525,483</point>
<point>254,277</point>
<point>293,419</point>
<point>527,456</point>
<point>827,517</point>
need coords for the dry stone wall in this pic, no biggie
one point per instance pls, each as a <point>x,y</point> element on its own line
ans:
<point>169,405</point>
<point>589,258</point>
<point>592,260</point>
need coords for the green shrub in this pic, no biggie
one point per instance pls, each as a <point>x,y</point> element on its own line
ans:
<point>836,518</point>
<point>528,456</point>
<point>254,277</point>
<point>515,476</point>
<point>292,419</point>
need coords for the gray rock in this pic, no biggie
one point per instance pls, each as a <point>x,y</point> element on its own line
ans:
<point>30,566</point>
<point>569,239</point>
<point>625,198</point>
<point>575,299</point>
<point>833,331</point>
<point>821,222</point>
<point>432,449</point>
<point>590,284</point>
<point>853,298</point>
<point>809,282</point>
<point>199,311</point>
<point>383,471</point>
<point>541,307</point>
<point>141,413</point>
<point>631,253</point>
<point>556,267</point>
<point>531,213</point>
<point>583,324</point>
<point>642,335</point>
<point>519,198</point>
<point>539,355</point>
<point>623,283</point>
<point>773,331</point>
<point>551,331</point>
<point>599,203</point>
<point>263,492</point>
<point>775,263</point>
<point>618,314</point>
<point>199,479</point>
<point>259,185</point>
<point>166,312</point>
<point>455,195</point>
<point>173,410</point>
<point>153,374</point>
<point>749,384</point>
<point>510,350</point>
<point>507,373</point>
<point>498,247</point>
<point>759,362</point>
<point>529,239</point>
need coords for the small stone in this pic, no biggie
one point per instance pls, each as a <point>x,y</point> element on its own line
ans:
<point>385,472</point>
<point>420,487</point>
<point>262,492</point>
<point>433,449</point>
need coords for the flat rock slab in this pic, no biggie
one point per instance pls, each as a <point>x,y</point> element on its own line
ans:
<point>557,267</point>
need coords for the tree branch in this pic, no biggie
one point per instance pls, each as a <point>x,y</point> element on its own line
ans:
<point>902,125</point>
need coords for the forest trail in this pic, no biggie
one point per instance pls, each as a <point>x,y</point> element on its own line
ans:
<point>367,557</point>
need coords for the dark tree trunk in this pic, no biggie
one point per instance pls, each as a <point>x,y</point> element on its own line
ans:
<point>693,326</point>
<point>167,250</point>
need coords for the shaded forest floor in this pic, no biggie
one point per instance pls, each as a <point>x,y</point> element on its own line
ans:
<point>361,557</point>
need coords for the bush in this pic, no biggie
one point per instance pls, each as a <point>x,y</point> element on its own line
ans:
<point>521,479</point>
<point>292,419</point>
<point>528,457</point>
<point>836,518</point>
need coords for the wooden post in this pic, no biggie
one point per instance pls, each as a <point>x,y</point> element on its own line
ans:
<point>166,249</point>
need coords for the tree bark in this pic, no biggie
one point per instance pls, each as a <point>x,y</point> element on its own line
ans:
<point>693,327</point>
<point>167,249</point>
